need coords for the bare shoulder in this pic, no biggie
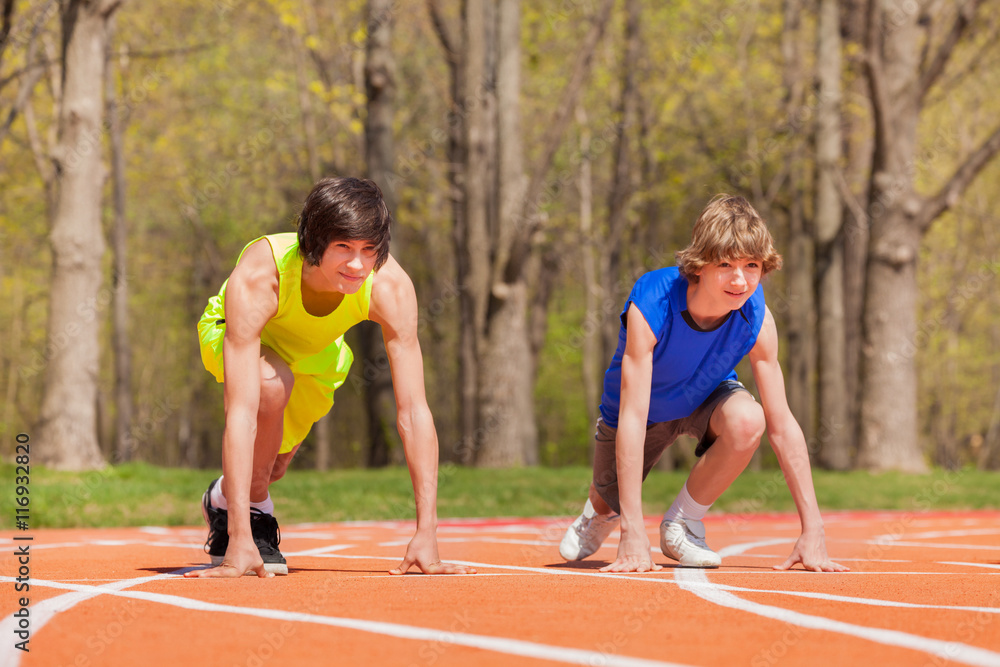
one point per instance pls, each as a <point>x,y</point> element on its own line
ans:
<point>257,263</point>
<point>766,347</point>
<point>252,290</point>
<point>394,300</point>
<point>639,337</point>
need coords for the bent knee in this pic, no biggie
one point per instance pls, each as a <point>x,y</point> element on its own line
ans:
<point>745,425</point>
<point>275,389</point>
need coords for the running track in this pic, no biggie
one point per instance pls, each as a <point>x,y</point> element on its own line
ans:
<point>924,590</point>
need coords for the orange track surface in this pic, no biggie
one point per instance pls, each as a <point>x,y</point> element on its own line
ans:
<point>924,590</point>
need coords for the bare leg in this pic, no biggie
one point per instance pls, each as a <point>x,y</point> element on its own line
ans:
<point>600,506</point>
<point>276,383</point>
<point>281,464</point>
<point>738,424</point>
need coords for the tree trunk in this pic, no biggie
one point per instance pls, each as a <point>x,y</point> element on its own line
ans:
<point>473,238</point>
<point>454,48</point>
<point>511,188</point>
<point>835,446</point>
<point>621,187</point>
<point>800,318</point>
<point>889,437</point>
<point>124,444</point>
<point>898,220</point>
<point>591,357</point>
<point>198,441</point>
<point>495,231</point>
<point>380,83</point>
<point>321,438</point>
<point>858,137</point>
<point>989,457</point>
<point>507,431</point>
<point>68,430</point>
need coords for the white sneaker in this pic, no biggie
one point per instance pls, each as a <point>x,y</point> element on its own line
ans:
<point>587,533</point>
<point>684,541</point>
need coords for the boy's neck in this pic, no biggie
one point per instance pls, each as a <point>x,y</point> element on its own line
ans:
<point>702,313</point>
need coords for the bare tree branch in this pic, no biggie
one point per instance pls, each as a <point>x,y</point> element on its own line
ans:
<point>977,63</point>
<point>27,69</point>
<point>34,73</point>
<point>443,31</point>
<point>166,53</point>
<point>552,138</point>
<point>567,100</point>
<point>881,105</point>
<point>949,194</point>
<point>8,19</point>
<point>109,7</point>
<point>932,71</point>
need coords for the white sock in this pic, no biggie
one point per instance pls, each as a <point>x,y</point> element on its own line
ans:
<point>685,507</point>
<point>266,506</point>
<point>216,499</point>
<point>588,509</point>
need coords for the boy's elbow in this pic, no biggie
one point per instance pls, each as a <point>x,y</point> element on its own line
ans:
<point>413,420</point>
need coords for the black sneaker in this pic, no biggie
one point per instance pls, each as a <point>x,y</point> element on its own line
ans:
<point>267,537</point>
<point>218,527</point>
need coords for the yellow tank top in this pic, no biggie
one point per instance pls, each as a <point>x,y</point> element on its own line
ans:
<point>308,344</point>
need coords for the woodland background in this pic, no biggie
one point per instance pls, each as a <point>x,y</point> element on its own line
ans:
<point>538,157</point>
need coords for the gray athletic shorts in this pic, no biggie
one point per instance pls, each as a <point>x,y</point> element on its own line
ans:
<point>658,437</point>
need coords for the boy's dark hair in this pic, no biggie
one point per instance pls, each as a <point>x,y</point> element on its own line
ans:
<point>729,228</point>
<point>348,209</point>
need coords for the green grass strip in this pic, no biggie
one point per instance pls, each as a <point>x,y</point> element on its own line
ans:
<point>139,494</point>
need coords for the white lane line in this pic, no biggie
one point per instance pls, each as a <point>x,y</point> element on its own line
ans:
<point>484,642</point>
<point>797,572</point>
<point>995,566</point>
<point>118,543</point>
<point>45,611</point>
<point>696,582</point>
<point>873,602</point>
<point>782,557</point>
<point>934,545</point>
<point>319,551</point>
<point>650,577</point>
<point>480,540</point>
<point>941,533</point>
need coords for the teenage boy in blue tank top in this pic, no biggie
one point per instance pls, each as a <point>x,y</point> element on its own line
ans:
<point>683,331</point>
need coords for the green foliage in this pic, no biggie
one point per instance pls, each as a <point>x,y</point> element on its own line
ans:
<point>216,98</point>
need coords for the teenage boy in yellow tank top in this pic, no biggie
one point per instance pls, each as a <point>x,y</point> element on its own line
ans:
<point>274,337</point>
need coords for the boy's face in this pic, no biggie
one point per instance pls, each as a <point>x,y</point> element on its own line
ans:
<point>347,263</point>
<point>731,281</point>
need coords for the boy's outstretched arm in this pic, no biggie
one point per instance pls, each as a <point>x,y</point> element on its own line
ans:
<point>251,300</point>
<point>789,445</point>
<point>394,306</point>
<point>637,377</point>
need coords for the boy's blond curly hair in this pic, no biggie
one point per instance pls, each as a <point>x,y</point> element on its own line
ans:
<point>729,228</point>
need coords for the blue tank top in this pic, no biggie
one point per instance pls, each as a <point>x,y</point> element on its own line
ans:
<point>688,364</point>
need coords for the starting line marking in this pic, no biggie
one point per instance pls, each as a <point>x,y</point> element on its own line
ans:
<point>695,582</point>
<point>496,644</point>
<point>43,612</point>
